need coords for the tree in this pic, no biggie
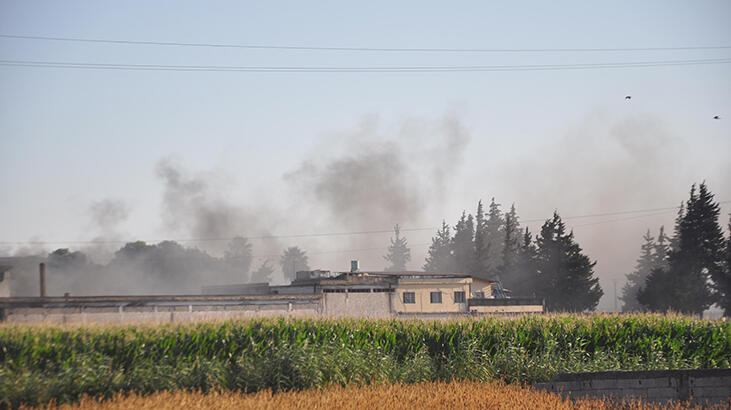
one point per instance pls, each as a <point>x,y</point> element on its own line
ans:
<point>494,238</point>
<point>522,278</point>
<point>675,240</point>
<point>463,247</point>
<point>480,259</point>
<point>293,259</point>
<point>696,259</point>
<point>662,250</point>
<point>238,257</point>
<point>66,261</point>
<point>399,253</point>
<point>511,245</point>
<point>635,280</point>
<point>725,301</point>
<point>263,274</point>
<point>565,275</point>
<point>440,258</point>
<point>660,290</point>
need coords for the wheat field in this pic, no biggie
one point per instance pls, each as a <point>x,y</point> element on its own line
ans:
<point>430,395</point>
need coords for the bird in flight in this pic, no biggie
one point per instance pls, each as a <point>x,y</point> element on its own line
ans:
<point>629,97</point>
<point>716,117</point>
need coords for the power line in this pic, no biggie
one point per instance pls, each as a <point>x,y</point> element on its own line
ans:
<point>616,213</point>
<point>647,212</point>
<point>623,219</point>
<point>363,69</point>
<point>381,248</point>
<point>362,49</point>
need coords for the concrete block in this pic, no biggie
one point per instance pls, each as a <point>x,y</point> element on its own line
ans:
<point>717,391</point>
<point>662,393</point>
<point>630,383</point>
<point>600,384</point>
<point>659,382</point>
<point>710,381</point>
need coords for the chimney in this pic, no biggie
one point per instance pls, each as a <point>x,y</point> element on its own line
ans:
<point>354,266</point>
<point>42,274</point>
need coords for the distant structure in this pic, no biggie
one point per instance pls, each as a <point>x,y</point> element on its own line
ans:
<point>395,294</point>
<point>5,281</point>
<point>317,293</point>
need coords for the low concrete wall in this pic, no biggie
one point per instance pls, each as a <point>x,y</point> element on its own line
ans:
<point>375,305</point>
<point>704,386</point>
<point>184,314</point>
<point>136,309</point>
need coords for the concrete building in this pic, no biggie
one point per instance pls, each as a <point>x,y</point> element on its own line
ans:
<point>5,281</point>
<point>312,293</point>
<point>401,294</point>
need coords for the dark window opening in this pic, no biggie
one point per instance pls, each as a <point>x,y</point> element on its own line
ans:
<point>436,297</point>
<point>459,297</point>
<point>409,297</point>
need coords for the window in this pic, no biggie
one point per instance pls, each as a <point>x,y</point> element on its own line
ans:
<point>458,297</point>
<point>409,297</point>
<point>436,297</point>
<point>480,295</point>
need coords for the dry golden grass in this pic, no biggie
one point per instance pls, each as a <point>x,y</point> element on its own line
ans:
<point>436,395</point>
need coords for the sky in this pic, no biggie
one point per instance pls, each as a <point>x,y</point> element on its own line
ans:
<point>117,155</point>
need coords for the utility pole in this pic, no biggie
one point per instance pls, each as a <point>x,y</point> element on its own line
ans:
<point>616,310</point>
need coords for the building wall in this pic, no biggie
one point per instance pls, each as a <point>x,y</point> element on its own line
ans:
<point>508,309</point>
<point>378,304</point>
<point>5,284</point>
<point>422,289</point>
<point>481,285</point>
<point>181,313</point>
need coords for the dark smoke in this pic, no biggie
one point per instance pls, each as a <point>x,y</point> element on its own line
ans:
<point>375,179</point>
<point>107,214</point>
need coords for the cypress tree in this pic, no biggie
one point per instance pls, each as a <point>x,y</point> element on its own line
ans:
<point>522,279</point>
<point>463,247</point>
<point>696,258</point>
<point>565,275</point>
<point>440,258</point>
<point>635,280</point>
<point>494,238</point>
<point>399,253</point>
<point>480,258</point>
<point>662,250</point>
<point>725,302</point>
<point>511,246</point>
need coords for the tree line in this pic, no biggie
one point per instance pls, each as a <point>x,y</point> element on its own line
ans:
<point>689,271</point>
<point>165,267</point>
<point>491,245</point>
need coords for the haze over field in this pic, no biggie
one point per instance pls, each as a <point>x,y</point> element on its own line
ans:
<point>93,158</point>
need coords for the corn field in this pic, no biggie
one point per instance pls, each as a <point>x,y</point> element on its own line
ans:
<point>43,363</point>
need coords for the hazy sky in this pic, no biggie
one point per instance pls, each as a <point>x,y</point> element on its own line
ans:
<point>123,155</point>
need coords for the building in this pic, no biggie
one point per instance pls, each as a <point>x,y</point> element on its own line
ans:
<point>5,281</point>
<point>408,294</point>
<point>395,294</point>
